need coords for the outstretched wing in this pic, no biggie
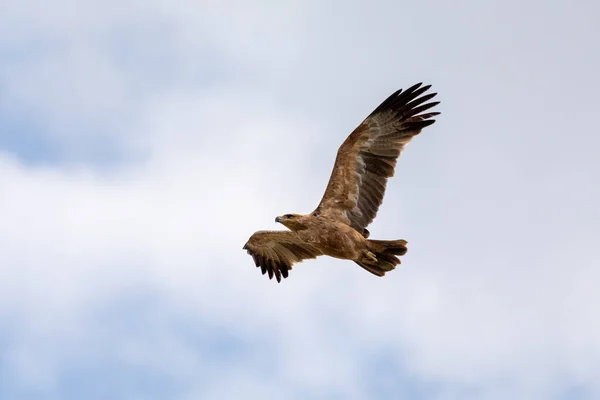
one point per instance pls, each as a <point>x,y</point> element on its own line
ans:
<point>276,251</point>
<point>368,156</point>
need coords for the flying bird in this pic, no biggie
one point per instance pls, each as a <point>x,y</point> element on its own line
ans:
<point>338,226</point>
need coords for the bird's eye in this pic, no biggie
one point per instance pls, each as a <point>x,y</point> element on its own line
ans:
<point>288,216</point>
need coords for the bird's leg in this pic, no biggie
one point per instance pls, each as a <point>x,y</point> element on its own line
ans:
<point>370,256</point>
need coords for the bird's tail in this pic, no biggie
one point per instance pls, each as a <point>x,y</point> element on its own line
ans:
<point>385,252</point>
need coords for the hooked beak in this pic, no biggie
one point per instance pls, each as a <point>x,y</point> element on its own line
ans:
<point>277,219</point>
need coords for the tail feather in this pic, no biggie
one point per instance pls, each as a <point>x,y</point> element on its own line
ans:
<point>386,252</point>
<point>372,268</point>
<point>394,247</point>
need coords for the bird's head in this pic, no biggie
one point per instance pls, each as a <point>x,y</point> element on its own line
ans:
<point>293,222</point>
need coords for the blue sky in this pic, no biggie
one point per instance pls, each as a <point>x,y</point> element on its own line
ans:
<point>142,144</point>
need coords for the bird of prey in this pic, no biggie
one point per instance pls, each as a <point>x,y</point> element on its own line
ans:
<point>337,227</point>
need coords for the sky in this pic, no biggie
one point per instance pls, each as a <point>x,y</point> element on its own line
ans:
<point>142,143</point>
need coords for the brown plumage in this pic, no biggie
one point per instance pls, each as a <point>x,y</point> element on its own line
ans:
<point>337,227</point>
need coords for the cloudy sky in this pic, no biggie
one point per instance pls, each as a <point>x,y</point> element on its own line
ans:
<point>142,142</point>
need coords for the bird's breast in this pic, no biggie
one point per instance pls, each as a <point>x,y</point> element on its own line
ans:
<point>335,239</point>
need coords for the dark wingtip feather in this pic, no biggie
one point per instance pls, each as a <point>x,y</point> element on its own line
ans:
<point>405,100</point>
<point>421,124</point>
<point>273,268</point>
<point>415,87</point>
<point>413,104</point>
<point>429,115</point>
<point>387,101</point>
<point>418,110</point>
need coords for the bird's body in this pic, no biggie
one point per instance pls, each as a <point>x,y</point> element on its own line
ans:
<point>334,238</point>
<point>337,227</point>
